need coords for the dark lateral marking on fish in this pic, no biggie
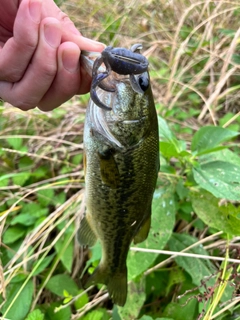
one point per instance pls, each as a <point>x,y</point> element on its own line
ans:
<point>122,206</point>
<point>108,167</point>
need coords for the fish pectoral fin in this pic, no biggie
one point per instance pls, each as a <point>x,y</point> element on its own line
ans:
<point>143,231</point>
<point>86,236</point>
<point>108,168</point>
<point>116,283</point>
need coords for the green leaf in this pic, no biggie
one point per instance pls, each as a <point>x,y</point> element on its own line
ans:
<point>25,219</point>
<point>59,198</point>
<point>20,178</point>
<point>145,317</point>
<point>220,178</point>
<point>210,137</point>
<point>12,234</point>
<point>40,266</point>
<point>18,301</point>
<point>197,268</point>
<point>15,143</point>
<point>179,312</point>
<point>66,256</point>
<point>221,155</point>
<point>135,300</point>
<point>45,196</point>
<point>81,301</point>
<point>164,130</point>
<point>34,209</point>
<point>224,217</point>
<point>168,150</point>
<point>99,314</point>
<point>176,276</point>
<point>35,315</point>
<point>63,314</point>
<point>169,136</point>
<point>163,219</point>
<point>57,284</point>
<point>95,256</point>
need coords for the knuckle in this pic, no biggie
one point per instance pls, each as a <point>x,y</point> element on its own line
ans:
<point>23,102</point>
<point>28,43</point>
<point>49,71</point>
<point>62,16</point>
<point>10,74</point>
<point>24,105</point>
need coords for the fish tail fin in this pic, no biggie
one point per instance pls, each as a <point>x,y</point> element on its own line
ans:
<point>116,283</point>
<point>117,288</point>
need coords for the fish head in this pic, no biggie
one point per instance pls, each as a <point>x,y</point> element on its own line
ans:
<point>130,113</point>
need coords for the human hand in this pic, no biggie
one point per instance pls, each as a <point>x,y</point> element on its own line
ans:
<point>39,55</point>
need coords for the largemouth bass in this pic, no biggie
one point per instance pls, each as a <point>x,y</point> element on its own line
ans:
<point>121,156</point>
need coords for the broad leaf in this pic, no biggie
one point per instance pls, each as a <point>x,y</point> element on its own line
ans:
<point>180,311</point>
<point>25,219</point>
<point>168,149</point>
<point>35,315</point>
<point>20,178</point>
<point>18,301</point>
<point>63,314</point>
<point>15,142</point>
<point>39,266</point>
<point>163,219</point>
<point>224,217</point>
<point>45,196</point>
<point>57,284</point>
<point>220,178</point>
<point>145,317</point>
<point>164,130</point>
<point>99,314</point>
<point>12,234</point>
<point>135,299</point>
<point>197,268</point>
<point>64,249</point>
<point>221,155</point>
<point>210,137</point>
<point>167,135</point>
<point>82,300</point>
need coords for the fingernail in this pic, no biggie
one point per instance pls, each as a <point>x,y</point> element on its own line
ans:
<point>52,34</point>
<point>35,7</point>
<point>70,60</point>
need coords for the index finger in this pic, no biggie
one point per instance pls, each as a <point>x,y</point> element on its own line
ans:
<point>17,52</point>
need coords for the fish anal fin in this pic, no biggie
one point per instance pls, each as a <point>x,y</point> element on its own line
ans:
<point>108,168</point>
<point>116,283</point>
<point>143,231</point>
<point>86,236</point>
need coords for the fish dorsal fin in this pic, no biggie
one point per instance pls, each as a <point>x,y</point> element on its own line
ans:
<point>108,168</point>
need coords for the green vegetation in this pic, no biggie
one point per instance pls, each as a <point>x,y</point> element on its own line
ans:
<point>188,268</point>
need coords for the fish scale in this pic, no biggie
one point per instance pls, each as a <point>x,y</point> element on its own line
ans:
<point>122,161</point>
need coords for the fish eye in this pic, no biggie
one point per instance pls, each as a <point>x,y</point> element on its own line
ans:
<point>143,82</point>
